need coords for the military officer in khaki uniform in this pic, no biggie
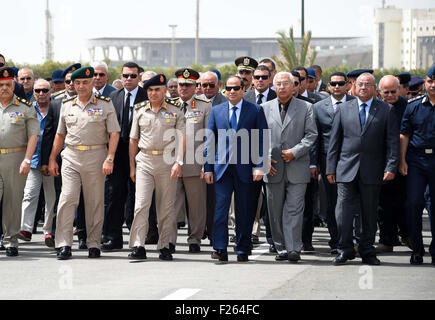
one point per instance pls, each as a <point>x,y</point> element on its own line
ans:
<point>85,123</point>
<point>157,146</point>
<point>19,131</point>
<point>191,184</point>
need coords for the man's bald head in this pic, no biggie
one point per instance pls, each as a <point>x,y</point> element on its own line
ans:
<point>389,89</point>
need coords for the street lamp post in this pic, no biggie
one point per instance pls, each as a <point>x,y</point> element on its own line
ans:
<point>173,26</point>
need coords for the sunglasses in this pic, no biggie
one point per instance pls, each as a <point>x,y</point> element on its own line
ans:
<point>42,90</point>
<point>2,64</point>
<point>198,85</point>
<point>68,81</point>
<point>335,83</point>
<point>100,75</point>
<point>235,88</point>
<point>126,76</point>
<point>261,77</point>
<point>413,93</point>
<point>211,85</point>
<point>388,92</point>
<point>173,87</point>
<point>296,83</point>
<point>26,78</point>
<point>302,79</point>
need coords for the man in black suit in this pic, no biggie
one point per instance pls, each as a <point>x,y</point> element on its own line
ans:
<point>119,186</point>
<point>324,112</point>
<point>262,93</point>
<point>363,153</point>
<point>303,84</point>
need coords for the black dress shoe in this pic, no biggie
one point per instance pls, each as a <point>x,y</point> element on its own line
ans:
<point>416,259</point>
<point>94,253</point>
<point>220,254</point>
<point>194,248</point>
<point>282,257</point>
<point>152,240</point>
<point>171,248</point>
<point>371,260</point>
<point>111,245</point>
<point>242,258</point>
<point>64,253</point>
<point>272,248</point>
<point>138,253</point>
<point>334,251</point>
<point>165,254</point>
<point>12,252</point>
<point>294,256</point>
<point>308,247</point>
<point>181,225</point>
<point>82,244</point>
<point>341,259</point>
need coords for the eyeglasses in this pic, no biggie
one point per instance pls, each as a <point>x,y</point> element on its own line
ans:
<point>42,90</point>
<point>211,85</point>
<point>235,88</point>
<point>362,84</point>
<point>126,76</point>
<point>335,83</point>
<point>68,81</point>
<point>100,75</point>
<point>283,84</point>
<point>261,77</point>
<point>172,87</point>
<point>388,92</point>
<point>26,78</point>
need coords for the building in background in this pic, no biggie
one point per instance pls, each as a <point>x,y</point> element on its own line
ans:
<point>152,52</point>
<point>404,38</point>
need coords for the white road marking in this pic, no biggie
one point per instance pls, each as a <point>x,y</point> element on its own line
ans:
<point>263,248</point>
<point>182,294</point>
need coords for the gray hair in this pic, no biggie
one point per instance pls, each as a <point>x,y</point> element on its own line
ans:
<point>388,77</point>
<point>149,74</point>
<point>215,76</point>
<point>173,80</point>
<point>41,81</point>
<point>116,81</point>
<point>366,74</point>
<point>27,69</point>
<point>97,64</point>
<point>283,73</point>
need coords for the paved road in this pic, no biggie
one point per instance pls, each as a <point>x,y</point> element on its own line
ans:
<point>37,274</point>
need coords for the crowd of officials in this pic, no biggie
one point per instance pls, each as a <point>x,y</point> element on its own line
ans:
<point>282,149</point>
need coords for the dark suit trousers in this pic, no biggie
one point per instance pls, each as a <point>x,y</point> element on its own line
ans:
<point>331,200</point>
<point>244,214</point>
<point>352,196</point>
<point>211,205</point>
<point>308,225</point>
<point>421,172</point>
<point>80,218</point>
<point>116,194</point>
<point>391,211</point>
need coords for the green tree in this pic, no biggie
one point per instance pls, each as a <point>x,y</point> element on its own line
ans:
<point>292,54</point>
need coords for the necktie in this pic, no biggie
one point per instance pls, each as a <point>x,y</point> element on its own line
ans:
<point>185,104</point>
<point>233,121</point>
<point>125,118</point>
<point>336,105</point>
<point>362,115</point>
<point>260,98</point>
<point>282,113</point>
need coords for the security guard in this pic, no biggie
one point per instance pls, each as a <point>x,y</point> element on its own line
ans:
<point>19,131</point>
<point>404,79</point>
<point>417,162</point>
<point>84,124</point>
<point>245,70</point>
<point>415,87</point>
<point>156,165</point>
<point>191,184</point>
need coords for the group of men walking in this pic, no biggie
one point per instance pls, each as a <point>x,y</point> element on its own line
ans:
<point>143,158</point>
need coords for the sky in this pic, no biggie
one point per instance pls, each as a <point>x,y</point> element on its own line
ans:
<point>74,22</point>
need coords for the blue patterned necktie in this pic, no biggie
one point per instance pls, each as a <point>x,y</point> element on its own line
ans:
<point>362,115</point>
<point>233,121</point>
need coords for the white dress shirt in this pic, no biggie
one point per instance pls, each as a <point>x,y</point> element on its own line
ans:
<point>132,99</point>
<point>239,109</point>
<point>265,93</point>
<point>334,102</point>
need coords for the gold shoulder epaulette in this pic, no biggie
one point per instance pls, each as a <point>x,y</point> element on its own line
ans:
<point>174,102</point>
<point>68,99</point>
<point>57,94</point>
<point>102,98</point>
<point>29,104</point>
<point>202,99</point>
<point>141,104</point>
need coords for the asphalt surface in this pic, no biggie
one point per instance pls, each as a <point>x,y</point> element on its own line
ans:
<point>37,274</point>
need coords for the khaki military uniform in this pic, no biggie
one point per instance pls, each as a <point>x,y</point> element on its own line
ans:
<point>18,121</point>
<point>86,128</point>
<point>190,184</point>
<point>153,170</point>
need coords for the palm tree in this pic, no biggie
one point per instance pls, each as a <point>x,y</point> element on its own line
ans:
<point>288,51</point>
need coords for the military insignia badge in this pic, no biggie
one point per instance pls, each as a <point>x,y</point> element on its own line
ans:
<point>246,62</point>
<point>186,74</point>
<point>88,72</point>
<point>162,79</point>
<point>5,74</point>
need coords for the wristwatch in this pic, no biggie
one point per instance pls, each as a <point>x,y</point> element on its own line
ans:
<point>27,161</point>
<point>109,160</point>
<point>181,163</point>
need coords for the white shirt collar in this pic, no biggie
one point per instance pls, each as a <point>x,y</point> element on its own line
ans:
<point>100,92</point>
<point>133,94</point>
<point>368,103</point>
<point>305,94</point>
<point>334,101</point>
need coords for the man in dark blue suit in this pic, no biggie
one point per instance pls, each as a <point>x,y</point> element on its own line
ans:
<point>101,78</point>
<point>233,166</point>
